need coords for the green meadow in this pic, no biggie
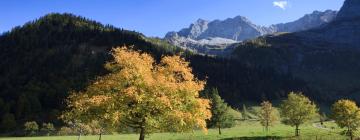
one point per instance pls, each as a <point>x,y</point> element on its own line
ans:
<point>245,130</point>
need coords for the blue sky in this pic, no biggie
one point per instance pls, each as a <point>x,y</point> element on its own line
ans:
<point>157,17</point>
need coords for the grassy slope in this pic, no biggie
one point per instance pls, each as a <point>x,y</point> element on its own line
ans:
<point>246,130</point>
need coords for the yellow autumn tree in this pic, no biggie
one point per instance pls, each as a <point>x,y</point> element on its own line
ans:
<point>296,110</point>
<point>267,115</point>
<point>143,94</point>
<point>346,115</point>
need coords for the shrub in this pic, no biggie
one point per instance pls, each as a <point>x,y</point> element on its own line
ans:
<point>47,129</point>
<point>31,128</point>
<point>65,131</point>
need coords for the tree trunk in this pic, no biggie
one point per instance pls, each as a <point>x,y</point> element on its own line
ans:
<point>296,130</point>
<point>142,129</point>
<point>350,133</point>
<point>100,136</point>
<point>142,133</point>
<point>267,126</point>
<point>219,129</point>
<point>79,136</point>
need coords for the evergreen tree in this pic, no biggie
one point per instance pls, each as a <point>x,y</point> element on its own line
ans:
<point>221,116</point>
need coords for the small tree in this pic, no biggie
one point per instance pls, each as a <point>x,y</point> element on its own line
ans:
<point>143,94</point>
<point>221,116</point>
<point>31,128</point>
<point>346,115</point>
<point>245,113</point>
<point>47,129</point>
<point>268,115</point>
<point>323,118</point>
<point>296,110</point>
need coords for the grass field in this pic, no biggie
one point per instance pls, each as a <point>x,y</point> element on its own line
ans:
<point>244,131</point>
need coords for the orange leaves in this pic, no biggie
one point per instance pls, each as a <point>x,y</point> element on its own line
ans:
<point>164,94</point>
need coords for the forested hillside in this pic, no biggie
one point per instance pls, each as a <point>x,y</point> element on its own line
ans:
<point>43,60</point>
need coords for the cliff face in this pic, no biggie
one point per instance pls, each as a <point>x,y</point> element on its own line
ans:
<point>309,21</point>
<point>343,31</point>
<point>350,10</point>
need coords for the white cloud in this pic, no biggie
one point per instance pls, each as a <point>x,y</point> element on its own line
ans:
<point>281,4</point>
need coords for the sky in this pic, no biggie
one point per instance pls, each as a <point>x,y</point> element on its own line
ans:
<point>156,17</point>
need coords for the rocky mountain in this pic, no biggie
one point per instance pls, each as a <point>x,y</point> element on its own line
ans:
<point>350,10</point>
<point>325,58</point>
<point>343,31</point>
<point>213,37</point>
<point>308,21</point>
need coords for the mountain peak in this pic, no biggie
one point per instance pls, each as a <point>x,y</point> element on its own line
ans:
<point>200,20</point>
<point>350,10</point>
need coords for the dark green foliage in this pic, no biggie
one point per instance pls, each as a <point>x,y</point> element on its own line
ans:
<point>326,72</point>
<point>8,122</point>
<point>238,82</point>
<point>221,112</point>
<point>47,129</point>
<point>43,60</point>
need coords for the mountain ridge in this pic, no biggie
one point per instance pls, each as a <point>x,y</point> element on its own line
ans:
<point>238,29</point>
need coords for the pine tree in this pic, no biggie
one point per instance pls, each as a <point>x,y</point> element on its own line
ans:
<point>219,111</point>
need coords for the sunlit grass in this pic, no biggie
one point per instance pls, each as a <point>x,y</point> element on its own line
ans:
<point>251,130</point>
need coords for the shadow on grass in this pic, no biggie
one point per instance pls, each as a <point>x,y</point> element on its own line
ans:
<point>256,138</point>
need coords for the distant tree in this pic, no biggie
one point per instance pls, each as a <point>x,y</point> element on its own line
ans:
<point>268,115</point>
<point>233,116</point>
<point>143,94</point>
<point>8,122</point>
<point>346,115</point>
<point>65,131</point>
<point>323,117</point>
<point>221,116</point>
<point>296,110</point>
<point>31,128</point>
<point>245,113</point>
<point>47,128</point>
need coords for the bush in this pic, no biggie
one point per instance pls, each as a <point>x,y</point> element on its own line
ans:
<point>47,129</point>
<point>65,131</point>
<point>232,117</point>
<point>31,128</point>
